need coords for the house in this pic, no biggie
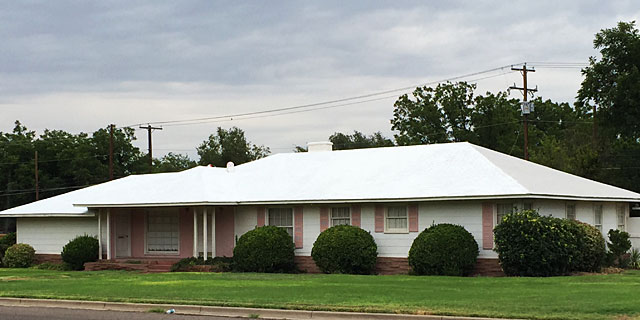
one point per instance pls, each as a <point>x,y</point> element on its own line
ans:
<point>393,192</point>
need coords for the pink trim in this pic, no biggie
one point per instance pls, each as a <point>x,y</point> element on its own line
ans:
<point>298,226</point>
<point>324,218</point>
<point>225,233</point>
<point>379,218</point>
<point>137,233</point>
<point>355,215</point>
<point>487,226</point>
<point>186,233</point>
<point>413,218</point>
<point>261,211</point>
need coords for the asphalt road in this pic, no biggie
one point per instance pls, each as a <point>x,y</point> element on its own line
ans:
<point>37,313</point>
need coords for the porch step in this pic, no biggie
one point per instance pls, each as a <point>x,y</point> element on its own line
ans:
<point>145,265</point>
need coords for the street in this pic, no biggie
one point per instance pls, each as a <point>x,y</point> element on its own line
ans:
<point>38,313</point>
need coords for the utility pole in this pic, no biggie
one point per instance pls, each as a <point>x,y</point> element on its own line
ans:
<point>595,126</point>
<point>37,187</point>
<point>111,152</point>
<point>149,128</point>
<point>526,109</point>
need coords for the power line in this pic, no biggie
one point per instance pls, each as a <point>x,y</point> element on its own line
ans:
<point>325,102</point>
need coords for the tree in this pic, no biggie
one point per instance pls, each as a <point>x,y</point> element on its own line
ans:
<point>434,115</point>
<point>358,140</point>
<point>229,145</point>
<point>173,162</point>
<point>611,83</point>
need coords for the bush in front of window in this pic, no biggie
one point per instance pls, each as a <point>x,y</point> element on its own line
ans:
<point>444,249</point>
<point>345,249</point>
<point>590,248</point>
<point>80,250</point>
<point>19,255</point>
<point>532,245</point>
<point>218,264</point>
<point>619,244</point>
<point>5,242</point>
<point>264,249</point>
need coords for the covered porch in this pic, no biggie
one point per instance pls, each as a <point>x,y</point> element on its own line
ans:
<point>146,234</point>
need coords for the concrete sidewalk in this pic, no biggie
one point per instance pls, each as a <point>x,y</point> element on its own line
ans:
<point>219,311</point>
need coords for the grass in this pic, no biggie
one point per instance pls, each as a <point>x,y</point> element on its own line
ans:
<point>613,296</point>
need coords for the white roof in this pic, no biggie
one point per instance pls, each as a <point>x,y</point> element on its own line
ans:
<point>426,172</point>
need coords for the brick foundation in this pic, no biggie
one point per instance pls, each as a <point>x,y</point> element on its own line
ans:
<point>389,266</point>
<point>53,258</point>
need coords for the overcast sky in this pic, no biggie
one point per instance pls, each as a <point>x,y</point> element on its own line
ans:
<point>78,66</point>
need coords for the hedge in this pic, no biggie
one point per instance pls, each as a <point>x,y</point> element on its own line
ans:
<point>444,249</point>
<point>345,249</point>
<point>80,250</point>
<point>264,249</point>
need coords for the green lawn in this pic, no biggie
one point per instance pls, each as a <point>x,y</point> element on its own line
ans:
<point>581,297</point>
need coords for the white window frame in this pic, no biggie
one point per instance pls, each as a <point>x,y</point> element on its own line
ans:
<point>293,216</point>
<point>621,211</point>
<point>566,211</point>
<point>496,220</point>
<point>387,229</point>
<point>146,233</point>
<point>332,218</point>
<point>598,209</point>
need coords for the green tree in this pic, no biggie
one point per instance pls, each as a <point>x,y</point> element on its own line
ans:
<point>229,145</point>
<point>173,162</point>
<point>612,82</point>
<point>358,140</point>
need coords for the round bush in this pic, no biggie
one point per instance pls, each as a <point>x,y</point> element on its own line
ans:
<point>444,249</point>
<point>345,249</point>
<point>19,255</point>
<point>264,249</point>
<point>5,242</point>
<point>590,248</point>
<point>537,246</point>
<point>80,250</point>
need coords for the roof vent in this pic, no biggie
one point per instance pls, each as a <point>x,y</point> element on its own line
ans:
<point>319,146</point>
<point>230,166</point>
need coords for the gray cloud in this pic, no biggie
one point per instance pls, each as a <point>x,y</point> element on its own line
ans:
<point>130,62</point>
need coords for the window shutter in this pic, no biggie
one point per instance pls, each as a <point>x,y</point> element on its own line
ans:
<point>487,226</point>
<point>324,218</point>
<point>261,216</point>
<point>298,226</point>
<point>355,215</point>
<point>413,218</point>
<point>379,219</point>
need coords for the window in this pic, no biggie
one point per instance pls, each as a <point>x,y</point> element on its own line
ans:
<point>621,216</point>
<point>283,218</point>
<point>502,209</point>
<point>341,215</point>
<point>570,211</point>
<point>597,216</point>
<point>7,225</point>
<point>162,232</point>
<point>396,219</point>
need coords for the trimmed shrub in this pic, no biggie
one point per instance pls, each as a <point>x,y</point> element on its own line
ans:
<point>52,266</point>
<point>345,249</point>
<point>80,250</point>
<point>590,248</point>
<point>619,244</point>
<point>5,242</point>
<point>219,264</point>
<point>444,249</point>
<point>19,255</point>
<point>264,249</point>
<point>532,245</point>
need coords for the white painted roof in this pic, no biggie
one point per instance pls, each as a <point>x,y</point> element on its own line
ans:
<point>425,172</point>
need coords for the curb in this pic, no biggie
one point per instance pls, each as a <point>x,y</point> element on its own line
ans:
<point>220,311</point>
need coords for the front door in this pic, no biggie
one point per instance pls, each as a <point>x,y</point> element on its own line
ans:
<point>123,235</point>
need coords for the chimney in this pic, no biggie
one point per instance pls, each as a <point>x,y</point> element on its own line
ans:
<point>319,146</point>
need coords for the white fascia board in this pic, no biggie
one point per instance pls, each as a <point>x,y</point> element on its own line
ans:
<point>377,200</point>
<point>48,215</point>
